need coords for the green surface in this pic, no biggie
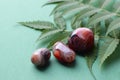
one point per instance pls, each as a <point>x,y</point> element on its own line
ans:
<point>17,44</point>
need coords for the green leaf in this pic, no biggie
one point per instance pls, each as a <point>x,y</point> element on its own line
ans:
<point>107,46</point>
<point>59,37</point>
<point>117,6</point>
<point>92,1</point>
<point>53,2</point>
<point>75,10</point>
<point>75,23</point>
<point>115,33</point>
<point>85,13</point>
<point>84,22</point>
<point>88,12</point>
<point>65,40</point>
<point>86,1</point>
<point>100,17</point>
<point>64,6</point>
<point>105,3</point>
<point>108,5</point>
<point>60,21</point>
<point>92,57</point>
<point>96,3</point>
<point>115,24</point>
<point>39,25</point>
<point>102,28</point>
<point>49,33</point>
<point>67,5</point>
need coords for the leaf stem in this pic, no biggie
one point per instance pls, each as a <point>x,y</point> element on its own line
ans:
<point>68,30</point>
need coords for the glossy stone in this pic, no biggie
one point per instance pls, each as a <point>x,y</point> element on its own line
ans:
<point>63,53</point>
<point>81,40</point>
<point>41,57</point>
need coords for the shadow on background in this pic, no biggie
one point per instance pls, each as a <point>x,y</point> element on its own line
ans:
<point>69,65</point>
<point>43,68</point>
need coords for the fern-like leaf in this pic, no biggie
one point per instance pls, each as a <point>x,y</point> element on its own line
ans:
<point>105,3</point>
<point>64,6</point>
<point>75,10</point>
<point>75,23</point>
<point>116,6</point>
<point>114,25</point>
<point>115,33</point>
<point>85,13</point>
<point>106,47</point>
<point>47,33</point>
<point>54,2</point>
<point>39,25</point>
<point>59,21</point>
<point>88,12</point>
<point>99,17</point>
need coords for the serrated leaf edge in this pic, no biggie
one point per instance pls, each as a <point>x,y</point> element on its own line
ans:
<point>114,42</point>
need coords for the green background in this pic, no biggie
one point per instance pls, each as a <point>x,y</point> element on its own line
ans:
<point>17,43</point>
